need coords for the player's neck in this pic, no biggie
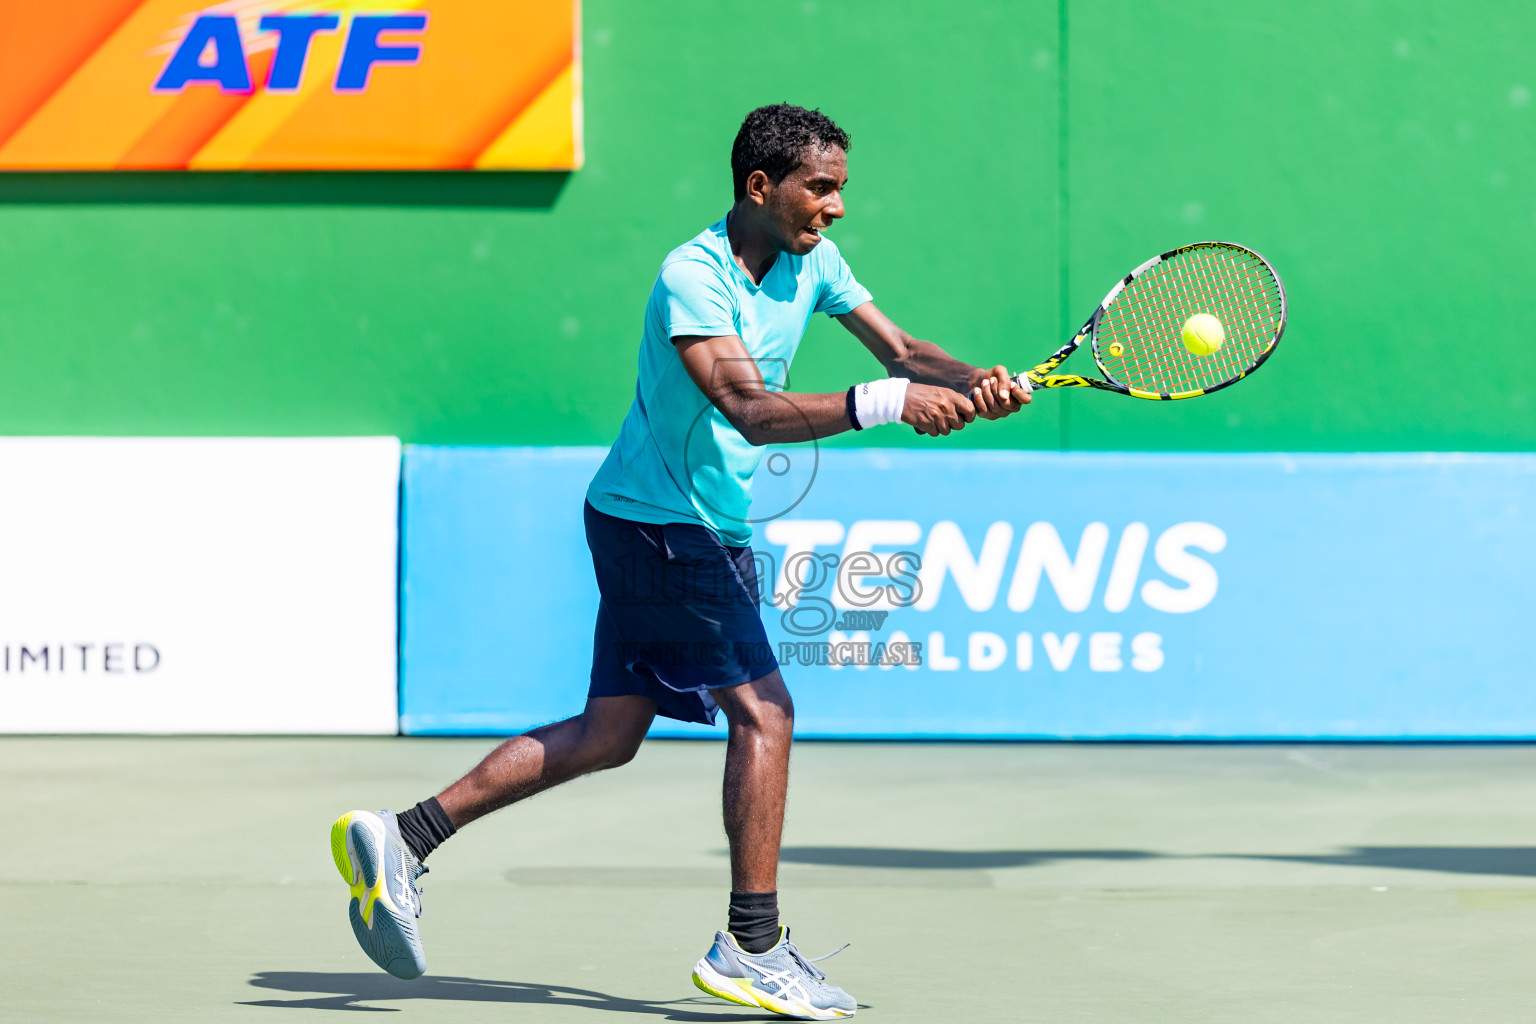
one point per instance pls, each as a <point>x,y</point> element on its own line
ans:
<point>753,248</point>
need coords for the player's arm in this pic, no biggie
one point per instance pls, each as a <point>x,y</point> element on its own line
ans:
<point>729,378</point>
<point>924,362</point>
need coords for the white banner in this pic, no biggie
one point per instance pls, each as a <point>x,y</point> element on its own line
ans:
<point>207,585</point>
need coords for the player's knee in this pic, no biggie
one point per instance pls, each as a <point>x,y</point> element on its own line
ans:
<point>622,750</point>
<point>783,712</point>
<point>772,715</point>
<point>610,748</point>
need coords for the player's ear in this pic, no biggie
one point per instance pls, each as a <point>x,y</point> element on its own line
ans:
<point>758,187</point>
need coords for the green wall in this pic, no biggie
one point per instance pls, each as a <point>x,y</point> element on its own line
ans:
<point>1010,160</point>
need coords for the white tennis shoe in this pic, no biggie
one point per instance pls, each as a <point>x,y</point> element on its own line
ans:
<point>780,980</point>
<point>386,900</point>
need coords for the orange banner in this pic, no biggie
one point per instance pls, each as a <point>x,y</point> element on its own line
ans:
<point>290,85</point>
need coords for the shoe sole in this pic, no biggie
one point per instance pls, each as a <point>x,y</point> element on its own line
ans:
<point>386,934</point>
<point>731,990</point>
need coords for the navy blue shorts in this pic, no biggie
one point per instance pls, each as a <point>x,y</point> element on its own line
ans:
<point>678,617</point>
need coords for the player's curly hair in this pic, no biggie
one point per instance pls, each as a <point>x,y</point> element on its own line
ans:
<point>774,138</point>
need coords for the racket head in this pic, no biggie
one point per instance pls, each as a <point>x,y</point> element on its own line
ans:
<point>1138,330</point>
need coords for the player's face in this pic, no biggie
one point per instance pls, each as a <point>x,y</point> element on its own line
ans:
<point>809,199</point>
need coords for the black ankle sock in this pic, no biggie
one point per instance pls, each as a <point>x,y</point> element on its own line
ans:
<point>424,827</point>
<point>754,920</point>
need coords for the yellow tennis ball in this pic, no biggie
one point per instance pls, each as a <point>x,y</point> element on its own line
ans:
<point>1203,334</point>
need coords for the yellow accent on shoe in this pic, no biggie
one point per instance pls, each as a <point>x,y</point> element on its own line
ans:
<point>372,898</point>
<point>349,870</point>
<point>730,997</point>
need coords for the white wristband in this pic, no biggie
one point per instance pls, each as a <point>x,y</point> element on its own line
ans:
<point>880,401</point>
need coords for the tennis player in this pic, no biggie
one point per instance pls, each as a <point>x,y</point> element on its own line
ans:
<point>725,316</point>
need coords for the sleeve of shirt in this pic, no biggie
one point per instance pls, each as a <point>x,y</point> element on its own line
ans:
<point>694,300</point>
<point>840,293</point>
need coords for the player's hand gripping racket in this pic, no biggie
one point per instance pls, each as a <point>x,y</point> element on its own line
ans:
<point>1142,336</point>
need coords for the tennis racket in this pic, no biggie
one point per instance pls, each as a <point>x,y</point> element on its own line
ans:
<point>1136,333</point>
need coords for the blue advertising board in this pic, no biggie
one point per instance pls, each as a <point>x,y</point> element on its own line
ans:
<point>1023,594</point>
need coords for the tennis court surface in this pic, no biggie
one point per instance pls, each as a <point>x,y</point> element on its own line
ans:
<point>189,880</point>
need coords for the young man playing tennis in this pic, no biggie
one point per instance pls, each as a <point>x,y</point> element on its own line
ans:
<point>728,309</point>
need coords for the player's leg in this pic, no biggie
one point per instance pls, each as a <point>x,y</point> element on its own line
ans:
<point>606,735</point>
<point>761,720</point>
<point>380,854</point>
<point>754,963</point>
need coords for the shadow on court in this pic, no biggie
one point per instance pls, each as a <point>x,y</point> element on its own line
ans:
<point>1458,860</point>
<point>945,860</point>
<point>349,991</point>
<point>1517,861</point>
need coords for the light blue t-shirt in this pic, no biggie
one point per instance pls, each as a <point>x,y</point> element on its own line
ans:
<point>678,459</point>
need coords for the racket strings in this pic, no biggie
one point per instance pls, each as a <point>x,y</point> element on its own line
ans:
<point>1189,286</point>
<point>1145,322</point>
